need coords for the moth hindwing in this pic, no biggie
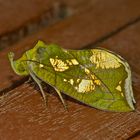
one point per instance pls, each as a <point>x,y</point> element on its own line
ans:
<point>96,77</point>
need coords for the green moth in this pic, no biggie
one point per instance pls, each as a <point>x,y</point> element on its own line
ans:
<point>96,77</point>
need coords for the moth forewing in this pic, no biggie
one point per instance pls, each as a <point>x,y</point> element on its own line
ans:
<point>128,81</point>
<point>96,77</point>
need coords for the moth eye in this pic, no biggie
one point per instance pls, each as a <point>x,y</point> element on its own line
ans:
<point>41,50</point>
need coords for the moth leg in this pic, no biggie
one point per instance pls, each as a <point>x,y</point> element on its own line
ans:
<point>29,80</point>
<point>37,80</point>
<point>45,97</point>
<point>61,98</point>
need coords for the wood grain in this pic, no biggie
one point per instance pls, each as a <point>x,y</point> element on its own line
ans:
<point>23,107</point>
<point>114,25</point>
<point>24,115</point>
<point>75,32</point>
<point>16,14</point>
<point>20,19</point>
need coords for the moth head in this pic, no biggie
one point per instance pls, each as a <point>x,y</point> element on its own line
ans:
<point>41,52</point>
<point>19,66</point>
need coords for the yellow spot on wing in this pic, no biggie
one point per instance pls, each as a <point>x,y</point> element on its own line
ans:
<point>87,71</point>
<point>85,86</point>
<point>122,94</point>
<point>71,81</point>
<point>58,64</point>
<point>120,82</point>
<point>41,65</point>
<point>97,82</point>
<point>74,62</point>
<point>65,80</point>
<point>103,59</point>
<point>119,88</point>
<point>93,76</point>
<point>69,62</point>
<point>78,80</point>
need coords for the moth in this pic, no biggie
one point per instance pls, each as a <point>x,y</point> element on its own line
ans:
<point>96,77</point>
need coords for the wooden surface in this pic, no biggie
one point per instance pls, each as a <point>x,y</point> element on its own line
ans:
<point>20,19</point>
<point>114,25</point>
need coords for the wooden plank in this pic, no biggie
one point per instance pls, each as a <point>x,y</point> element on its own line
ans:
<point>75,32</point>
<point>20,18</point>
<point>22,109</point>
<point>30,11</point>
<point>33,15</point>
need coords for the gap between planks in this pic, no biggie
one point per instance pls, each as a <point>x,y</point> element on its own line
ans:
<point>49,17</point>
<point>111,34</point>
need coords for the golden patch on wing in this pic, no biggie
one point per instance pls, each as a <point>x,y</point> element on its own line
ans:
<point>122,94</point>
<point>58,64</point>
<point>69,62</point>
<point>85,86</point>
<point>71,81</point>
<point>65,80</point>
<point>103,59</point>
<point>93,77</point>
<point>87,71</point>
<point>120,82</point>
<point>72,62</point>
<point>78,80</point>
<point>118,87</point>
<point>97,82</point>
<point>41,65</point>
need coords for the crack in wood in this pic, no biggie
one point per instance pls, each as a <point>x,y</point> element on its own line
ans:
<point>54,14</point>
<point>111,34</point>
<point>13,86</point>
<point>136,134</point>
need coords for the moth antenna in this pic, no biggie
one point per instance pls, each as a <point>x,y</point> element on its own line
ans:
<point>30,61</point>
<point>33,61</point>
<point>11,59</point>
